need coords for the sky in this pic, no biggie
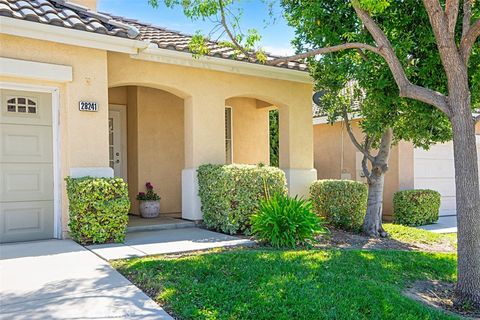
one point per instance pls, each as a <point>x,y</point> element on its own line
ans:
<point>276,35</point>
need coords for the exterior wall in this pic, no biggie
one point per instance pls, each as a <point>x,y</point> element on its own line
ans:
<point>205,92</point>
<point>250,131</point>
<point>329,141</point>
<point>155,143</point>
<point>477,128</point>
<point>83,135</point>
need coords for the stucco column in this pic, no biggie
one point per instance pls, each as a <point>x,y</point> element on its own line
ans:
<point>204,144</point>
<point>296,146</point>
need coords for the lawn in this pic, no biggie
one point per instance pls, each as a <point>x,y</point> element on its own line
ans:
<point>302,284</point>
<point>413,235</point>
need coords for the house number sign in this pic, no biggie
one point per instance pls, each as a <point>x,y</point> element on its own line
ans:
<point>88,106</point>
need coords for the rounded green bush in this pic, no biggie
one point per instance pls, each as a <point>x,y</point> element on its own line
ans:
<point>343,203</point>
<point>416,207</point>
<point>98,209</point>
<point>230,194</point>
<point>283,221</point>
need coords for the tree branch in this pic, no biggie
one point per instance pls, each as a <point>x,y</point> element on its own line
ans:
<point>352,136</point>
<point>223,21</point>
<point>451,11</point>
<point>367,146</point>
<point>406,88</point>
<point>467,16</point>
<point>320,51</point>
<point>468,40</point>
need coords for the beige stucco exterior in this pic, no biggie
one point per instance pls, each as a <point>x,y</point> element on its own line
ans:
<point>175,118</point>
<point>335,154</point>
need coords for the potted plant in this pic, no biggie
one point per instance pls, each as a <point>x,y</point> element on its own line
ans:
<point>149,202</point>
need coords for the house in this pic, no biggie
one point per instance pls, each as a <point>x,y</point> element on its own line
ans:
<point>335,157</point>
<point>85,93</point>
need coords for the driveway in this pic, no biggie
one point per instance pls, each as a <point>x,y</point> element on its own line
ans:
<point>59,279</point>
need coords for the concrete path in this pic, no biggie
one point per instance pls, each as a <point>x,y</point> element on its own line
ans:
<point>445,224</point>
<point>59,279</point>
<point>139,244</point>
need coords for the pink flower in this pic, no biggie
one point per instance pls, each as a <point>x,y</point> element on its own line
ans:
<point>149,186</point>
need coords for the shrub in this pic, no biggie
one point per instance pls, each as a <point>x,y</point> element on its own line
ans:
<point>416,207</point>
<point>98,209</point>
<point>283,221</point>
<point>230,194</point>
<point>343,203</point>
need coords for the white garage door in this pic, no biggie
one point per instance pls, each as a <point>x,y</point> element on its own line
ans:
<point>434,169</point>
<point>26,166</point>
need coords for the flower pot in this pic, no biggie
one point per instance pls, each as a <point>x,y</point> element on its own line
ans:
<point>149,208</point>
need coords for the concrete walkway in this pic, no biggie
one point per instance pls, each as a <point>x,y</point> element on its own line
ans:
<point>59,279</point>
<point>140,244</point>
<point>445,224</point>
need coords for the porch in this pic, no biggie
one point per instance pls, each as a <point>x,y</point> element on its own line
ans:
<point>166,121</point>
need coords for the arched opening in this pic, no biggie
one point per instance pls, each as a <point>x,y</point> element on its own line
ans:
<point>147,143</point>
<point>251,131</point>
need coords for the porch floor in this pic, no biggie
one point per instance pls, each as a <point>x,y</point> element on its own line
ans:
<point>163,222</point>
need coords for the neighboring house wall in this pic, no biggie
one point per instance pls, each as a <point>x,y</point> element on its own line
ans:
<point>250,131</point>
<point>336,157</point>
<point>83,135</point>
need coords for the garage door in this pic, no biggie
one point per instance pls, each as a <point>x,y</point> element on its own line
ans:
<point>26,166</point>
<point>434,169</point>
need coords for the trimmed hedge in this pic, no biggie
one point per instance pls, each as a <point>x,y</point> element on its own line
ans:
<point>416,207</point>
<point>98,209</point>
<point>343,203</point>
<point>230,194</point>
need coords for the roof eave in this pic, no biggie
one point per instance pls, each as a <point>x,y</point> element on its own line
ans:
<point>80,38</point>
<point>144,50</point>
<point>155,54</point>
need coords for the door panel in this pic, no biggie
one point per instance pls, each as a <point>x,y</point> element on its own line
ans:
<point>23,221</point>
<point>26,166</point>
<point>25,143</point>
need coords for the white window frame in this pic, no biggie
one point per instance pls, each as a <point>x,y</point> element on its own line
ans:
<point>231,136</point>
<point>57,181</point>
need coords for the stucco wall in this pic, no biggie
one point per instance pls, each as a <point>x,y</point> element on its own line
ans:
<point>328,144</point>
<point>250,131</point>
<point>205,92</point>
<point>83,135</point>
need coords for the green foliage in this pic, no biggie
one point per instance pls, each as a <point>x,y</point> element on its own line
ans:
<point>230,194</point>
<point>274,138</point>
<point>343,203</point>
<point>98,209</point>
<point>293,284</point>
<point>283,221</point>
<point>416,207</point>
<point>406,24</point>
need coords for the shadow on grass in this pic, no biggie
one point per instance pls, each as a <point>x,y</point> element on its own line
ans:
<point>276,284</point>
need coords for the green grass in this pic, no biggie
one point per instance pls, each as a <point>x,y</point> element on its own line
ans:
<point>413,235</point>
<point>276,284</point>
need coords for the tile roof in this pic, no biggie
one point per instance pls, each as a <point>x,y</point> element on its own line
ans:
<point>175,40</point>
<point>67,14</point>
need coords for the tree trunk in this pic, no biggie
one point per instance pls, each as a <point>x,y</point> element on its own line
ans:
<point>468,204</point>
<point>372,225</point>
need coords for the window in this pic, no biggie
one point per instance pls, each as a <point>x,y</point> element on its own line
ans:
<point>228,135</point>
<point>21,105</point>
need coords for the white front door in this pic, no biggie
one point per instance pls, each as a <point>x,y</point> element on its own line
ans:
<point>115,142</point>
<point>26,166</point>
